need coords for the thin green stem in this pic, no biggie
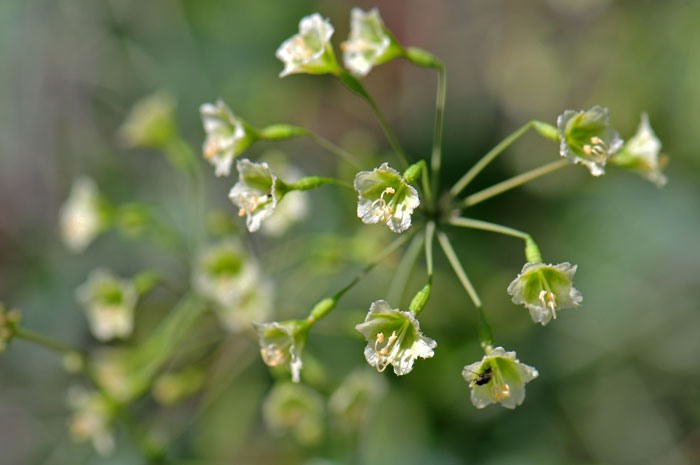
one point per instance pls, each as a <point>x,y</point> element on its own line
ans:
<point>46,342</point>
<point>436,157</point>
<point>512,183</point>
<point>356,87</point>
<point>334,149</point>
<point>457,267</point>
<point>403,272</point>
<point>429,236</point>
<point>488,158</point>
<point>486,226</point>
<point>425,183</point>
<point>391,248</point>
<point>313,182</point>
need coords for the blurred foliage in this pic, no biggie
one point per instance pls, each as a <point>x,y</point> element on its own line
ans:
<point>619,376</point>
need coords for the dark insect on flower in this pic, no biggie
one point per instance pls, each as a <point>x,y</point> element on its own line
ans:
<point>483,378</point>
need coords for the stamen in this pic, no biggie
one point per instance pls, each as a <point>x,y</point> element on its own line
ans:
<point>241,211</point>
<point>598,150</point>
<point>273,355</point>
<point>549,300</point>
<point>385,354</point>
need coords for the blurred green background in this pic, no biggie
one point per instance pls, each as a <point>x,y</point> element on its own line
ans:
<point>619,378</point>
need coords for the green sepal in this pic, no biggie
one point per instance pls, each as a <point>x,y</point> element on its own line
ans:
<point>322,308</point>
<point>546,130</point>
<point>532,252</point>
<point>281,131</point>
<point>352,83</point>
<point>420,299</point>
<point>420,57</point>
<point>412,172</point>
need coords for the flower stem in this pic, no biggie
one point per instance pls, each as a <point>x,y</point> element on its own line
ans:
<point>512,183</point>
<point>313,182</point>
<point>356,87</point>
<point>429,236</point>
<point>486,226</point>
<point>457,267</point>
<point>403,272</point>
<point>334,149</point>
<point>46,342</point>
<point>436,156</point>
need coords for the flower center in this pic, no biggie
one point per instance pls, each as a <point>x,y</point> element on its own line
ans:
<point>500,392</point>
<point>385,352</point>
<point>250,202</point>
<point>598,149</point>
<point>381,208</point>
<point>300,50</point>
<point>273,355</point>
<point>548,300</point>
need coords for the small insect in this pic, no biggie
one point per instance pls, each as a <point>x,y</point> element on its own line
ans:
<point>483,378</point>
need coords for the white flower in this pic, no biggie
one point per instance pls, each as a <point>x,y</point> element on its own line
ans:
<point>282,343</point>
<point>224,272</point>
<point>109,304</point>
<point>498,378</point>
<point>310,50</point>
<point>226,136</point>
<point>587,138</point>
<point>256,193</point>
<point>393,337</point>
<point>641,154</point>
<point>356,398</point>
<point>385,197</point>
<point>545,289</point>
<point>91,419</point>
<point>254,303</point>
<point>80,220</point>
<point>370,43</point>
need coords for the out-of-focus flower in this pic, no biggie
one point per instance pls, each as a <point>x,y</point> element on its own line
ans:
<point>310,51</point>
<point>385,197</point>
<point>151,122</point>
<point>173,387</point>
<point>296,203</point>
<point>587,138</point>
<point>370,43</point>
<point>641,154</point>
<point>498,378</point>
<point>254,303</point>
<point>226,136</point>
<point>9,320</point>
<point>545,289</point>
<point>92,415</point>
<point>393,337</point>
<point>224,272</point>
<point>256,193</point>
<point>80,219</point>
<point>296,409</point>
<point>109,304</point>
<point>353,402</point>
<point>117,375</point>
<point>282,343</point>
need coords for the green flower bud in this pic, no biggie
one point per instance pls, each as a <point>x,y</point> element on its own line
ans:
<point>545,289</point>
<point>421,57</point>
<point>151,122</point>
<point>295,409</point>
<point>310,51</point>
<point>393,337</point>
<point>641,154</point>
<point>370,43</point>
<point>498,378</point>
<point>587,138</point>
<point>385,197</point>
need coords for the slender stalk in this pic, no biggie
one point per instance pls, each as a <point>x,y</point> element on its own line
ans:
<point>457,267</point>
<point>425,183</point>
<point>388,251</point>
<point>356,87</point>
<point>429,236</point>
<point>436,156</point>
<point>488,158</point>
<point>46,342</point>
<point>314,182</point>
<point>513,182</point>
<point>403,272</point>
<point>334,149</point>
<point>486,226</point>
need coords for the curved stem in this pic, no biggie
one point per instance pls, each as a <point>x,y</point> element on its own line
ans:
<point>488,158</point>
<point>486,226</point>
<point>436,156</point>
<point>512,183</point>
<point>334,149</point>
<point>457,267</point>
